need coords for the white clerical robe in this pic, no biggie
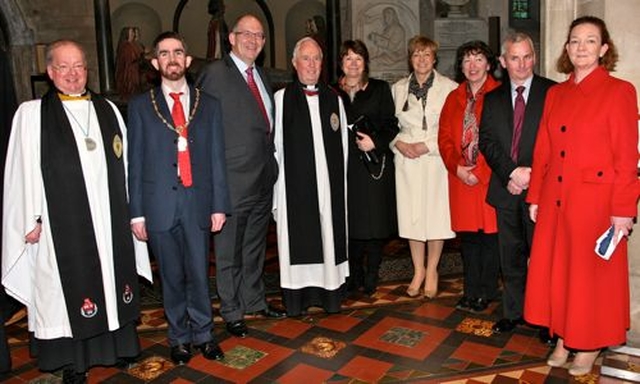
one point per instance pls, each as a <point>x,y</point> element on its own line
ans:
<point>325,275</point>
<point>30,271</point>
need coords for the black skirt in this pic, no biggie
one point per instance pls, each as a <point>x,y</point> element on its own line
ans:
<point>104,349</point>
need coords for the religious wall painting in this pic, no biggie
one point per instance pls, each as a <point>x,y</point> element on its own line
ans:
<point>385,26</point>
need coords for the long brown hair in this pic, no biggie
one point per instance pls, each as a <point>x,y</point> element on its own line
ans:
<point>608,60</point>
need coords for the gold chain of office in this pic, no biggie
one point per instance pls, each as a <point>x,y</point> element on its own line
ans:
<point>179,129</point>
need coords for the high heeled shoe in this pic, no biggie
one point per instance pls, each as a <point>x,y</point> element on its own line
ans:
<point>413,294</point>
<point>583,363</point>
<point>430,295</point>
<point>559,356</point>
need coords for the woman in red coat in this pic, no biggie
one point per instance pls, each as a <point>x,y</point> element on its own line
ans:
<point>471,217</point>
<point>583,182</point>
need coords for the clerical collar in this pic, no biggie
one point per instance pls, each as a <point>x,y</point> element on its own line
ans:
<point>82,96</point>
<point>310,90</point>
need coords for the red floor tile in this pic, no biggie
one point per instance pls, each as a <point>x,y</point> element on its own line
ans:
<point>434,311</point>
<point>289,328</point>
<point>477,353</point>
<point>304,373</point>
<point>365,369</point>
<point>340,323</point>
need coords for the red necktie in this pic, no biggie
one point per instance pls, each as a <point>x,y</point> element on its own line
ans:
<point>251,82</point>
<point>184,160</point>
<point>518,118</point>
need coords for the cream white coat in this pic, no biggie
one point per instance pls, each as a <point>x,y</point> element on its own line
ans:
<point>421,184</point>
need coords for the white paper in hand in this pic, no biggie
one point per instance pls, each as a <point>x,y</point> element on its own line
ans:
<point>605,245</point>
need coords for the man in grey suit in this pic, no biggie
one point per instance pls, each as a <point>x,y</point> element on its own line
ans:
<point>509,151</point>
<point>247,108</point>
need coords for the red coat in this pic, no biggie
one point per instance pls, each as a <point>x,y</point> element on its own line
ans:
<point>584,172</point>
<point>469,211</point>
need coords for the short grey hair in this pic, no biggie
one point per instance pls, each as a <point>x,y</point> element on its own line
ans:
<point>305,39</point>
<point>516,37</point>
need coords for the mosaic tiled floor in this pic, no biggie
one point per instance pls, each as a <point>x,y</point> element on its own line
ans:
<point>387,338</point>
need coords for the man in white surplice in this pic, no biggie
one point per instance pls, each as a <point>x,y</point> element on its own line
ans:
<point>68,252</point>
<point>310,194</point>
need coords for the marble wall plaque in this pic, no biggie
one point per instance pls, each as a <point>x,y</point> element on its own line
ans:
<point>385,26</point>
<point>451,33</point>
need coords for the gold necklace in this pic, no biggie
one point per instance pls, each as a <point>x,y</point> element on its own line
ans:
<point>179,129</point>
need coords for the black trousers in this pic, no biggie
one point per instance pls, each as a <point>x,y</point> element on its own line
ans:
<point>515,233</point>
<point>365,257</point>
<point>481,264</point>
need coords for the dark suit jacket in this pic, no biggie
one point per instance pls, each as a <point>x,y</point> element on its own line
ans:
<point>496,131</point>
<point>153,179</point>
<point>251,165</point>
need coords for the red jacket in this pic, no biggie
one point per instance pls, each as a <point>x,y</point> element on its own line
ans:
<point>469,211</point>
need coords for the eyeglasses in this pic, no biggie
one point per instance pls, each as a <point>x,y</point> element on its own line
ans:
<point>64,69</point>
<point>250,35</point>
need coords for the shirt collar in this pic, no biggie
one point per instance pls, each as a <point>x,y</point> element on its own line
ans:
<point>184,89</point>
<point>242,66</point>
<point>526,84</point>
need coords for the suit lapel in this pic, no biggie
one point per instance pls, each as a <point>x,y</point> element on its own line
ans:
<point>161,102</point>
<point>507,103</point>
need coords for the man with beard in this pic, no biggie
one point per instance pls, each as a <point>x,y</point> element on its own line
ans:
<point>178,192</point>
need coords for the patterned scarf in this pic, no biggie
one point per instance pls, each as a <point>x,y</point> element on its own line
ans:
<point>469,142</point>
<point>420,92</point>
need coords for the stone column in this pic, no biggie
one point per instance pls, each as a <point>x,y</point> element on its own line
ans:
<point>334,37</point>
<point>106,69</point>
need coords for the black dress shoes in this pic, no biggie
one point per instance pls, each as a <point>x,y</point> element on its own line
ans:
<point>210,350</point>
<point>237,328</point>
<point>70,376</point>
<point>546,338</point>
<point>464,304</point>
<point>479,305</point>
<point>270,312</point>
<point>507,325</point>
<point>181,353</point>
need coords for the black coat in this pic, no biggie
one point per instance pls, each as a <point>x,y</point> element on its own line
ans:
<point>371,202</point>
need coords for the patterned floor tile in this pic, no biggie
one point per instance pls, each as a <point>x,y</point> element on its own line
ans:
<point>323,347</point>
<point>477,327</point>
<point>148,369</point>
<point>375,338</point>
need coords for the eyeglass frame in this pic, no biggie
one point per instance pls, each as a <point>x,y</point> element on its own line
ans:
<point>64,69</point>
<point>253,35</point>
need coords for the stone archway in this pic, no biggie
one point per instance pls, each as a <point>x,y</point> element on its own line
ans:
<point>20,46</point>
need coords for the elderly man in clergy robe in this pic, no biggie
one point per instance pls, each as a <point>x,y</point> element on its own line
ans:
<point>310,194</point>
<point>68,253</point>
